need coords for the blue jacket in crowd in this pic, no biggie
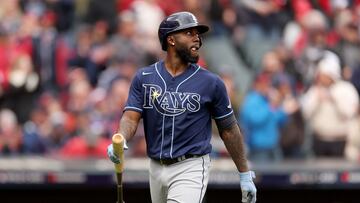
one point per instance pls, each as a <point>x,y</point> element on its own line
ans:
<point>260,122</point>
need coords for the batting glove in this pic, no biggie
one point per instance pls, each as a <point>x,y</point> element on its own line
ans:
<point>248,189</point>
<point>112,156</point>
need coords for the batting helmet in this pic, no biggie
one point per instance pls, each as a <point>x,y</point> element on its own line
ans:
<point>178,21</point>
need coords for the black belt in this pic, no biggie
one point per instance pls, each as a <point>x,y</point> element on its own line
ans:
<point>169,161</point>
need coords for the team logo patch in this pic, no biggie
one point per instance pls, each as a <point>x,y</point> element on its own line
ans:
<point>170,103</point>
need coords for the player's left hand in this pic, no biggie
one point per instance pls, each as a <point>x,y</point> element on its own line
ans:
<point>248,189</point>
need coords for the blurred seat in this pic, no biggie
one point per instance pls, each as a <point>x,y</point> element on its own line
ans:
<point>255,45</point>
<point>223,59</point>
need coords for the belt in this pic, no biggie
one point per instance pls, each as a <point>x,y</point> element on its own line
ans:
<point>169,161</point>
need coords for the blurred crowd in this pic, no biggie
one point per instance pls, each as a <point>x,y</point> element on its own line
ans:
<point>66,67</point>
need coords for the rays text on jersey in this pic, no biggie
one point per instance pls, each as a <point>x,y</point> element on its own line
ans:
<point>170,103</point>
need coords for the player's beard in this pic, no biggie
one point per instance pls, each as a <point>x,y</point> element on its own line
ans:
<point>185,55</point>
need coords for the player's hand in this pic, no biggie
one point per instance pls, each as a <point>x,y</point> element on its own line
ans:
<point>248,189</point>
<point>112,156</point>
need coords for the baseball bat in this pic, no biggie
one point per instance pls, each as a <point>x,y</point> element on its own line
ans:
<point>118,146</point>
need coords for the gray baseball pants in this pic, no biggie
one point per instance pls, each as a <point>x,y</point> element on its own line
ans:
<point>183,182</point>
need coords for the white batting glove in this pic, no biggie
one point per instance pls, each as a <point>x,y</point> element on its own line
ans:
<point>248,189</point>
<point>112,156</point>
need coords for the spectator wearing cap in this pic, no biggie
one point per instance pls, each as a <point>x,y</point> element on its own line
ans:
<point>328,107</point>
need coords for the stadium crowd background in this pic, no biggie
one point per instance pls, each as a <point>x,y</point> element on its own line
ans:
<point>66,67</point>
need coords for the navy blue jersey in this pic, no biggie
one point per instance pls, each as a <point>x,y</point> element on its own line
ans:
<point>177,111</point>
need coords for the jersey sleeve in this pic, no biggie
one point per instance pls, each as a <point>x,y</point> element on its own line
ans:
<point>221,105</point>
<point>135,98</point>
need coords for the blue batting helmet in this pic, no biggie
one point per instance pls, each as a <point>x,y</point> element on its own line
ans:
<point>176,22</point>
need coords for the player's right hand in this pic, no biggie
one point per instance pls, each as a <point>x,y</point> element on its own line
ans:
<point>112,156</point>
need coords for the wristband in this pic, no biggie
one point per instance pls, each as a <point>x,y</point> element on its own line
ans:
<point>247,176</point>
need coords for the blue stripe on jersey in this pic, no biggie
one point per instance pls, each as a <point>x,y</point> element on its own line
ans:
<point>224,115</point>
<point>173,124</point>
<point>162,137</point>
<point>162,131</point>
<point>157,71</point>
<point>198,68</point>
<point>132,108</point>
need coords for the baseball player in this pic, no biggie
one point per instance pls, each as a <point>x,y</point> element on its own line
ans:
<point>177,99</point>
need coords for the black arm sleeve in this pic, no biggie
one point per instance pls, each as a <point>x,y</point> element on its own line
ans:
<point>225,123</point>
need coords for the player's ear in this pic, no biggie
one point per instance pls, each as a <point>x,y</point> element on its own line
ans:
<point>170,40</point>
